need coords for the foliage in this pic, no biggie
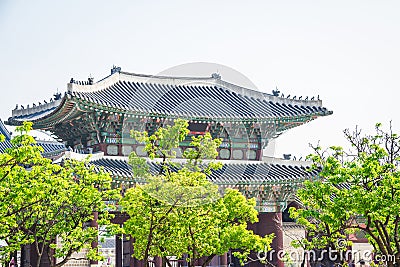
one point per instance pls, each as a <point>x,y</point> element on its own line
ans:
<point>359,191</point>
<point>178,211</point>
<point>42,203</point>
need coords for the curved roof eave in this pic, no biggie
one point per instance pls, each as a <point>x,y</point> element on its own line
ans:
<point>42,117</point>
<point>165,96</point>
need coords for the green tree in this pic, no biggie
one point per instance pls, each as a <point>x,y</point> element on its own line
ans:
<point>217,227</point>
<point>178,211</point>
<point>49,205</point>
<point>358,191</point>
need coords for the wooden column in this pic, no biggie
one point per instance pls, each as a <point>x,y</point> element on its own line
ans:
<point>270,222</point>
<point>138,263</point>
<point>223,260</point>
<point>118,250</point>
<point>23,256</point>
<point>259,153</point>
<point>131,259</point>
<point>33,256</point>
<point>216,261</point>
<point>158,261</point>
<point>200,261</point>
<point>127,259</point>
<point>28,256</point>
<point>95,244</point>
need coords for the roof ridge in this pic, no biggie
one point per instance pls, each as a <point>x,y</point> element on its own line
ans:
<point>213,80</point>
<point>167,77</point>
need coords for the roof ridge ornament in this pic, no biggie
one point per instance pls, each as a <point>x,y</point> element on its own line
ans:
<point>216,75</point>
<point>90,79</point>
<point>115,69</point>
<point>276,92</point>
<point>57,96</point>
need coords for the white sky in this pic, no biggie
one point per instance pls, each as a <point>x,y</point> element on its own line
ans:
<point>348,52</point>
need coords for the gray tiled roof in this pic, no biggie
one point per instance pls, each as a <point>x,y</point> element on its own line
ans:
<point>231,173</point>
<point>194,100</point>
<point>48,147</point>
<point>177,96</point>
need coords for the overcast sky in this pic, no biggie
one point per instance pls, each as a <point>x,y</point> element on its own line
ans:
<point>348,52</point>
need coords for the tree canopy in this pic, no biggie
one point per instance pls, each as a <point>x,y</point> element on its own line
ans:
<point>358,192</point>
<point>178,211</point>
<point>49,205</point>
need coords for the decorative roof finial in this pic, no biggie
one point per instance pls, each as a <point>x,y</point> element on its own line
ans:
<point>287,156</point>
<point>276,91</point>
<point>90,79</point>
<point>57,95</point>
<point>216,75</point>
<point>115,69</point>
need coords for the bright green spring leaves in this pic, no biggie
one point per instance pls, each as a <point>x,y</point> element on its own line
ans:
<point>42,203</point>
<point>178,211</point>
<point>359,191</point>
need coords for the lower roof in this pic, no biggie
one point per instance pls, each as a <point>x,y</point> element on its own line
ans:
<point>232,173</point>
<point>49,147</point>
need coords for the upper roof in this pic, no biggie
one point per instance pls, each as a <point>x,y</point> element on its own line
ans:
<point>189,97</point>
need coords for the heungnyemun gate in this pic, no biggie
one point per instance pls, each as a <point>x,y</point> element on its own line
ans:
<point>97,117</point>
